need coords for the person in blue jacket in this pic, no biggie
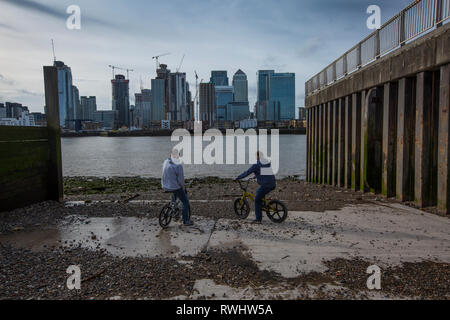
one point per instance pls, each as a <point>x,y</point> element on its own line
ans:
<point>266,180</point>
<point>172,180</point>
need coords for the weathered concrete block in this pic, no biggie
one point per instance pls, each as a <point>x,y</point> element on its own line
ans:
<point>443,190</point>
<point>356,141</point>
<point>423,143</point>
<point>405,139</point>
<point>348,142</point>
<point>389,138</point>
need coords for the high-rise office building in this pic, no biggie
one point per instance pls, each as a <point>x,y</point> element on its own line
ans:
<point>88,108</point>
<point>14,110</point>
<point>78,112</point>
<point>264,84</point>
<point>268,110</point>
<point>240,85</point>
<point>237,111</point>
<point>106,117</point>
<point>142,110</point>
<point>207,103</point>
<point>158,99</point>
<point>219,78</point>
<point>121,100</point>
<point>224,95</point>
<point>178,106</point>
<point>190,104</point>
<point>66,109</point>
<point>2,111</point>
<point>164,74</point>
<point>278,87</point>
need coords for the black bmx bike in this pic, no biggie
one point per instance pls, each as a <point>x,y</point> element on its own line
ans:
<point>172,211</point>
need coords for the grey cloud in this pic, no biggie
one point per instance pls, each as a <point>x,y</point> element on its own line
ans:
<point>5,26</point>
<point>272,62</point>
<point>5,80</point>
<point>310,47</point>
<point>51,11</point>
<point>29,93</point>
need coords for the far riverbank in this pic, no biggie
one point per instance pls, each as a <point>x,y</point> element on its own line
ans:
<point>162,133</point>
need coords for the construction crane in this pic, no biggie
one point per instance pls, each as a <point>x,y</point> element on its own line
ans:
<point>181,63</point>
<point>157,58</point>
<point>127,70</point>
<point>113,68</point>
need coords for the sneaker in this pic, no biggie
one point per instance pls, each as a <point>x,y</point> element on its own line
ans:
<point>256,222</point>
<point>188,224</point>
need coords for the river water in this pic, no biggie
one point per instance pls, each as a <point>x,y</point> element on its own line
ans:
<point>143,156</point>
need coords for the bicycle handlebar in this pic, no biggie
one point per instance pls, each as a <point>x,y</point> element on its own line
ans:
<point>246,186</point>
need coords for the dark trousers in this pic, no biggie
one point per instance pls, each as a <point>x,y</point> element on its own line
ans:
<point>260,194</point>
<point>180,194</point>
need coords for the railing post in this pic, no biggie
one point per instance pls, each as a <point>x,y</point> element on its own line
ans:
<point>402,31</point>
<point>334,71</point>
<point>438,19</point>
<point>359,56</point>
<point>345,64</point>
<point>377,44</point>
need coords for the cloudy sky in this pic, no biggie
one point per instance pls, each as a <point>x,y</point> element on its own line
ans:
<point>300,36</point>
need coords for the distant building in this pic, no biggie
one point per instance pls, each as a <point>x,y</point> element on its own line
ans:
<point>268,111</point>
<point>88,108</point>
<point>142,110</point>
<point>158,99</point>
<point>190,104</point>
<point>207,103</point>
<point>237,111</point>
<point>302,114</point>
<point>2,111</point>
<point>40,119</point>
<point>14,110</point>
<point>219,78</point>
<point>178,105</point>
<point>278,87</point>
<point>121,100</point>
<point>106,118</point>
<point>240,85</point>
<point>146,106</point>
<point>24,120</point>
<point>224,96</point>
<point>78,113</point>
<point>164,74</point>
<point>66,108</point>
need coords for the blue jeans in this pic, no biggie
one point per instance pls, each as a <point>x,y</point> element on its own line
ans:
<point>180,194</point>
<point>260,194</point>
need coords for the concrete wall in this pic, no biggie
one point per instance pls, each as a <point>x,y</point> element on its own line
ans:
<point>30,157</point>
<point>24,166</point>
<point>387,126</point>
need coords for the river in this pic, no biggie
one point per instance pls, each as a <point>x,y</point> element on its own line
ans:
<point>143,156</point>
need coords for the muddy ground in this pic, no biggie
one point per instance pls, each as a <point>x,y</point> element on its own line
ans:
<point>26,274</point>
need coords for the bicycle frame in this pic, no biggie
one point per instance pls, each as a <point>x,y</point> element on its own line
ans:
<point>248,195</point>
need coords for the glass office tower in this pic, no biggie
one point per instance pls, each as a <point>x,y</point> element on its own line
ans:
<point>277,87</point>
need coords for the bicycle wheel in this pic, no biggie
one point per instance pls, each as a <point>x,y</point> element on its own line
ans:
<point>241,208</point>
<point>277,211</point>
<point>165,216</point>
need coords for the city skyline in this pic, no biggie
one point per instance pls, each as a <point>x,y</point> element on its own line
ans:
<point>268,35</point>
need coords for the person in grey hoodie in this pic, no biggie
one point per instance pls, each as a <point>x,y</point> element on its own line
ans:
<point>173,181</point>
<point>266,180</point>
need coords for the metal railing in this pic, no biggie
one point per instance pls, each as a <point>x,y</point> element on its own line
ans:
<point>416,19</point>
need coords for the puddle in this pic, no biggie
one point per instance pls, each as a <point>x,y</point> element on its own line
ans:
<point>125,237</point>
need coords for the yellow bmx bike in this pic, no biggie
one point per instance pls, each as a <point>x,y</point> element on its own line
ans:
<point>275,209</point>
